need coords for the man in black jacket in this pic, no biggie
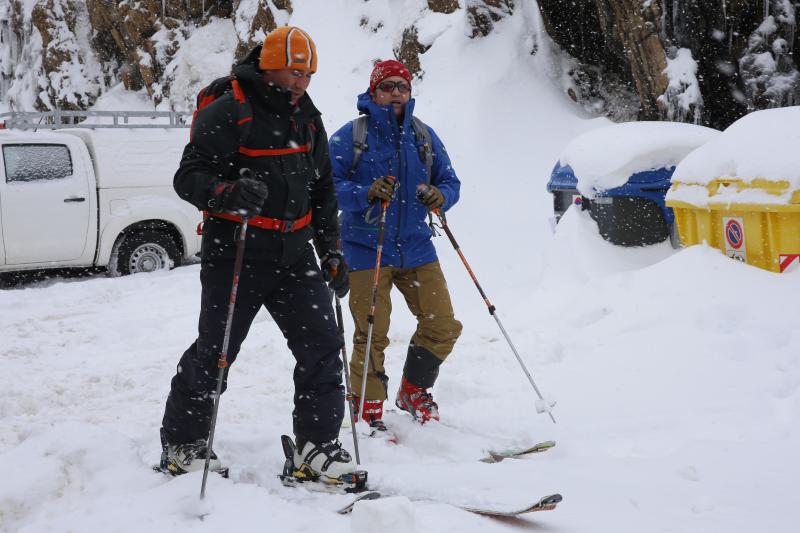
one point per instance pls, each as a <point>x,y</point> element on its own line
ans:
<point>279,177</point>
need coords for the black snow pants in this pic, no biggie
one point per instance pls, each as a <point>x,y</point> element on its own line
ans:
<point>300,303</point>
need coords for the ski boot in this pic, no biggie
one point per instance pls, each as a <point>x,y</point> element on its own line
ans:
<point>416,401</point>
<point>177,459</point>
<point>325,467</point>
<point>373,415</point>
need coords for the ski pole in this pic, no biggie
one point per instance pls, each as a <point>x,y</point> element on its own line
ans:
<point>492,310</point>
<point>348,388</point>
<point>374,297</point>
<point>222,362</point>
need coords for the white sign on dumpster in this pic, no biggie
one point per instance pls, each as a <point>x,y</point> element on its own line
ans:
<point>735,248</point>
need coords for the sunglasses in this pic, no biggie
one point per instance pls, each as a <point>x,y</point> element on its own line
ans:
<point>389,86</point>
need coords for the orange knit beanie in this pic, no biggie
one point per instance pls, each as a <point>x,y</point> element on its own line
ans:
<point>288,47</point>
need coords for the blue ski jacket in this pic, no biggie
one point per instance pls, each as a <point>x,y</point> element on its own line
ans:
<point>391,150</point>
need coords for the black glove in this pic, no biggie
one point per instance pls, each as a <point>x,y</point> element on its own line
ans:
<point>243,197</point>
<point>381,189</point>
<point>430,196</point>
<point>334,271</point>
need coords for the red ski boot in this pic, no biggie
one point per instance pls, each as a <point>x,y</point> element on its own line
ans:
<point>373,414</point>
<point>416,401</point>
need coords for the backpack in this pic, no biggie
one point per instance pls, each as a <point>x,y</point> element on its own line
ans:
<point>229,84</point>
<point>216,89</point>
<point>421,132</point>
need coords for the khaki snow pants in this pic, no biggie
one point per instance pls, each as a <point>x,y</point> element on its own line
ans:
<point>425,291</point>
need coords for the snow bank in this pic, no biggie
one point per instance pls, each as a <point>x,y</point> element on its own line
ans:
<point>763,144</point>
<point>760,146</point>
<point>605,158</point>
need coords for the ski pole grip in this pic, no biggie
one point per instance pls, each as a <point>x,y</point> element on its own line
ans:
<point>422,190</point>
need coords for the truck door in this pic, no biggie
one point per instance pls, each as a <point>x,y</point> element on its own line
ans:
<point>44,203</point>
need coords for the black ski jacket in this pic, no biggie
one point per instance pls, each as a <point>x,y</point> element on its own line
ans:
<point>296,181</point>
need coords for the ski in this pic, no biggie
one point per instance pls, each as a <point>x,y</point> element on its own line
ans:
<point>547,503</point>
<point>496,457</point>
<point>492,456</point>
<point>371,495</point>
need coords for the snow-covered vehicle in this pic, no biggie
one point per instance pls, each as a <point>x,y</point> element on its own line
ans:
<point>83,198</point>
<point>621,174</point>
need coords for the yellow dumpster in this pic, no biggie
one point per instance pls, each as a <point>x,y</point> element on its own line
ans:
<point>740,192</point>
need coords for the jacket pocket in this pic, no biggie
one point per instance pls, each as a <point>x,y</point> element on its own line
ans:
<point>374,164</point>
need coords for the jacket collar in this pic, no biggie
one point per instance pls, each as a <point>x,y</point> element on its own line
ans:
<point>383,116</point>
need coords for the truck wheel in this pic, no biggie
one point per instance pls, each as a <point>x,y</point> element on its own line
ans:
<point>145,251</point>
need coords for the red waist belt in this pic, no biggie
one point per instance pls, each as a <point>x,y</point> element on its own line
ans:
<point>275,224</point>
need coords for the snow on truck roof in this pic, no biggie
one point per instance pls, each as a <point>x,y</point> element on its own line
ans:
<point>123,157</point>
<point>762,145</point>
<point>604,158</point>
<point>145,157</point>
<point>25,136</point>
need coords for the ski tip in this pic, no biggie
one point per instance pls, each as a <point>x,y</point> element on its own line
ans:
<point>552,499</point>
<point>498,456</point>
<point>547,503</point>
<point>371,495</point>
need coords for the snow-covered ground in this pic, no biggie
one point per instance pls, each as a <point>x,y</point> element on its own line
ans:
<point>677,374</point>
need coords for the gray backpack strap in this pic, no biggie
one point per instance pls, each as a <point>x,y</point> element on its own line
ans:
<point>425,143</point>
<point>359,139</point>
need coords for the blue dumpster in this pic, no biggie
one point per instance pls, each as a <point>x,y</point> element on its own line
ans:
<point>623,175</point>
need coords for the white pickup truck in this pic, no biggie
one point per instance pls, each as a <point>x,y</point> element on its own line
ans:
<point>94,198</point>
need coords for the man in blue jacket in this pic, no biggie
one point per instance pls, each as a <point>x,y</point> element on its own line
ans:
<point>392,165</point>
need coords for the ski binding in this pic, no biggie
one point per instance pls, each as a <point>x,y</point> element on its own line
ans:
<point>163,468</point>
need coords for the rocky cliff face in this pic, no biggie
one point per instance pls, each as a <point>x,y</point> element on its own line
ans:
<point>65,53</point>
<point>699,61</point>
<point>688,60</point>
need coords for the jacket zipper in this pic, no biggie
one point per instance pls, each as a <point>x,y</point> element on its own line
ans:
<point>400,171</point>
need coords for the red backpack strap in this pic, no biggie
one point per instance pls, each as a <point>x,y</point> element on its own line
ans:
<point>245,120</point>
<point>238,93</point>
